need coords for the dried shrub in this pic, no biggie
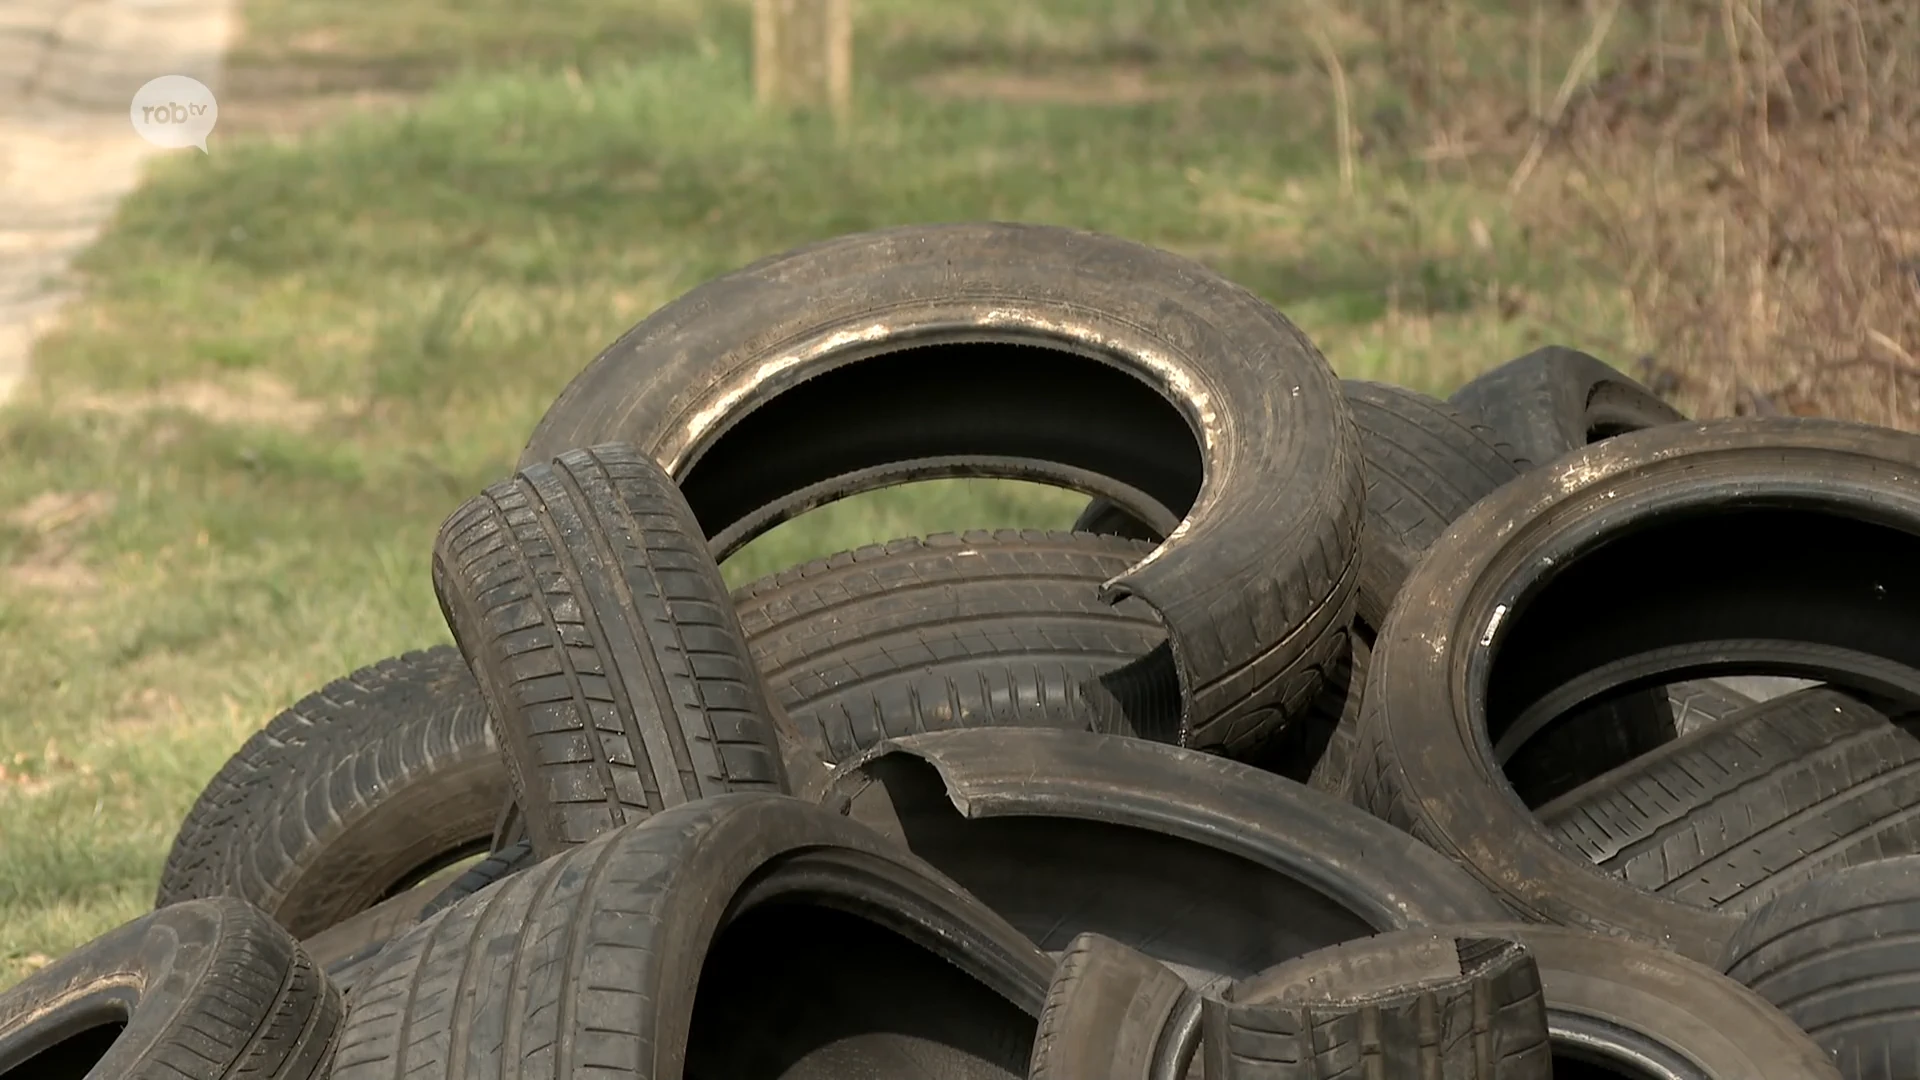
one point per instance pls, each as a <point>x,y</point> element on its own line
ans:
<point>1756,182</point>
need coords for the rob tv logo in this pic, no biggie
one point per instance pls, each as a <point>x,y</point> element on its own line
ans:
<point>173,111</point>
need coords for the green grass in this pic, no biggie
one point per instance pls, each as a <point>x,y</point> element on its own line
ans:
<point>297,355</point>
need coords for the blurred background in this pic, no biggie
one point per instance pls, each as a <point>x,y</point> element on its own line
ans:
<point>291,358</point>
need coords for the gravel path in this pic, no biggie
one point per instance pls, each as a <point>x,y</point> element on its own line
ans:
<point>68,152</point>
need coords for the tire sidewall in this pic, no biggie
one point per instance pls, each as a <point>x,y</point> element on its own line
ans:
<point>1451,793</point>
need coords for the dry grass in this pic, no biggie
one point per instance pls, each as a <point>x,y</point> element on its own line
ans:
<point>1747,171</point>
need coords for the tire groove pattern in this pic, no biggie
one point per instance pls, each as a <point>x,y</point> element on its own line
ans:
<point>318,815</point>
<point>1412,1004</point>
<point>1731,814</point>
<point>583,596</point>
<point>1840,955</point>
<point>954,630</point>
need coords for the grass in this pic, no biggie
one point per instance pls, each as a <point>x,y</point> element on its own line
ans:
<point>298,354</point>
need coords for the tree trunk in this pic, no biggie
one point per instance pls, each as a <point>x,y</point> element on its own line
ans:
<point>803,53</point>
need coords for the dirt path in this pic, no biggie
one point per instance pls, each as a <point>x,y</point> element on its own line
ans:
<point>68,152</point>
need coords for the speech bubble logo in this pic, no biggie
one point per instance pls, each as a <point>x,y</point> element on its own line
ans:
<point>173,111</point>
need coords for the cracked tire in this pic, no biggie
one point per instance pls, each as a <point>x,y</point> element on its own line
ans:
<point>649,951</point>
<point>1839,956</point>
<point>349,797</point>
<point>605,644</point>
<point>989,344</point>
<point>201,990</point>
<point>982,629</point>
<point>1114,1014</point>
<point>1414,1003</point>
<point>1182,855</point>
<point>1618,1008</point>
<point>1520,601</point>
<point>1784,791</point>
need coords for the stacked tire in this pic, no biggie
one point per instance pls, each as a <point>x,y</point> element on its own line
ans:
<point>1348,733</point>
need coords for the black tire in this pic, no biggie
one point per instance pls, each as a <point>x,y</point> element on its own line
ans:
<point>1618,1008</point>
<point>1182,855</point>
<point>1317,748</point>
<point>1522,599</point>
<point>983,629</point>
<point>1114,1014</point>
<point>497,866</point>
<point>1427,463</point>
<point>1702,703</point>
<point>346,949</point>
<point>1839,955</point>
<point>1413,1003</point>
<point>955,630</point>
<point>981,349</point>
<point>605,644</point>
<point>1104,517</point>
<point>596,958</point>
<point>1787,790</point>
<point>201,990</point>
<point>351,796</point>
<point>1556,399</point>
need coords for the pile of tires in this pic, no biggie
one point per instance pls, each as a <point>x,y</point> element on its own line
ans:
<point>1349,733</point>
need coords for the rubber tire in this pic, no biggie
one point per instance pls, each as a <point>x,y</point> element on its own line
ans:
<point>1317,749</point>
<point>1114,1014</point>
<point>788,383</point>
<point>1426,764</point>
<point>605,644</point>
<point>1555,399</point>
<point>346,797</point>
<point>982,629</point>
<point>201,990</point>
<point>1412,1003</point>
<point>1782,792</point>
<point>595,957</point>
<point>1702,703</point>
<point>497,866</point>
<point>1632,1009</point>
<point>346,949</point>
<point>1426,462</point>
<point>1838,955</point>
<point>1182,855</point>
<point>955,630</point>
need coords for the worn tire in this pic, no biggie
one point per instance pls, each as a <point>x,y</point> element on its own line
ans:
<point>982,629</point>
<point>1317,748</point>
<point>1702,703</point>
<point>593,960</point>
<point>1427,463</point>
<point>497,866</point>
<point>349,797</point>
<point>1182,855</point>
<point>1839,955</point>
<point>1619,1008</point>
<point>1413,1003</point>
<point>979,349</point>
<point>1114,1014</point>
<point>605,644</point>
<point>1711,522</point>
<point>201,990</point>
<point>1784,791</point>
<point>1556,399</point>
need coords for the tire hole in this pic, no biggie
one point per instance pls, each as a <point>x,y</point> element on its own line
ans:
<point>792,992</point>
<point>74,1056</point>
<point>1027,407</point>
<point>921,508</point>
<point>1690,595</point>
